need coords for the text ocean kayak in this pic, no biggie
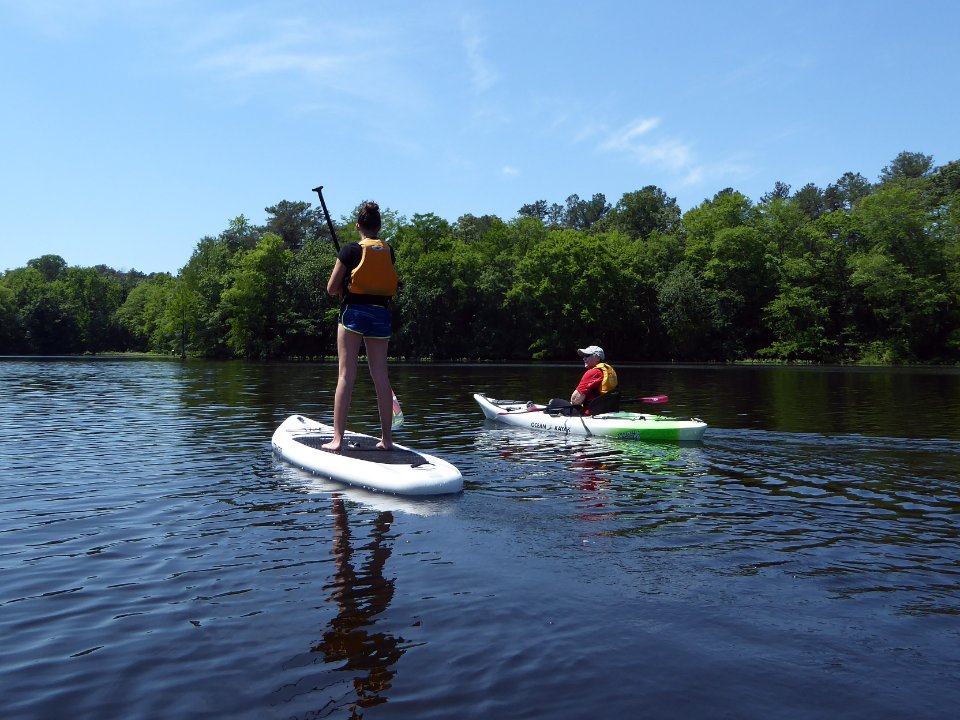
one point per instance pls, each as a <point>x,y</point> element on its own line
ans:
<point>621,425</point>
<point>400,471</point>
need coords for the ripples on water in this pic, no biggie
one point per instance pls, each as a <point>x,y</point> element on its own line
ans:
<point>159,562</point>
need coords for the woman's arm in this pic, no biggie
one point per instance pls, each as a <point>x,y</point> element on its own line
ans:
<point>335,283</point>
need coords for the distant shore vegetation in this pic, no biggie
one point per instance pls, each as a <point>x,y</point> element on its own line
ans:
<point>857,272</point>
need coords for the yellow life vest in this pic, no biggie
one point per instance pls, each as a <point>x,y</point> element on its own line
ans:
<point>610,381</point>
<point>375,274</point>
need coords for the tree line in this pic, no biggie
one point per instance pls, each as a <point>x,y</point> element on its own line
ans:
<point>857,272</point>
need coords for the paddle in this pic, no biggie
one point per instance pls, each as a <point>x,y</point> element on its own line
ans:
<point>397,412</point>
<point>333,233</point>
<point>654,399</point>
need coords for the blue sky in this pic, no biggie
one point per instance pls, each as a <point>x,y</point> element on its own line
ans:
<point>133,128</point>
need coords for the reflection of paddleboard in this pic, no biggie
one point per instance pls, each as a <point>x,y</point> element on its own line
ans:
<point>400,471</point>
<point>311,484</point>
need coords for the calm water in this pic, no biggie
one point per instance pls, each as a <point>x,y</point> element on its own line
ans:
<point>158,562</point>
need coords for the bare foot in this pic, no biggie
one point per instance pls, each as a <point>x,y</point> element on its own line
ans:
<point>381,446</point>
<point>332,446</point>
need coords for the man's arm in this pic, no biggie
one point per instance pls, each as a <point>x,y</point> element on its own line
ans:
<point>591,379</point>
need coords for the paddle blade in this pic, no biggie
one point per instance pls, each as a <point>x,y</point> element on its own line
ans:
<point>655,399</point>
<point>397,413</point>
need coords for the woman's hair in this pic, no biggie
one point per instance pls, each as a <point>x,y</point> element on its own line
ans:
<point>369,218</point>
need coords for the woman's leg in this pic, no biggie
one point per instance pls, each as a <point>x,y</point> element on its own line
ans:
<point>377,360</point>
<point>348,347</point>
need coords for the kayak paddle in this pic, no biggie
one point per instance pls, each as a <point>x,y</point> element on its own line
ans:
<point>653,399</point>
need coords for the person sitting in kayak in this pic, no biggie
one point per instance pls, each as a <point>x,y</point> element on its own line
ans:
<point>597,391</point>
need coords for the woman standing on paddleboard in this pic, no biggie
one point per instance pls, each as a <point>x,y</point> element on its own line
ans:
<point>365,279</point>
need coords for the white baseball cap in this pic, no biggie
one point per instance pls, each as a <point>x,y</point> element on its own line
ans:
<point>591,350</point>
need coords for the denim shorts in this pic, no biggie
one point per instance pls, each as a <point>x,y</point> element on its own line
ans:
<point>370,321</point>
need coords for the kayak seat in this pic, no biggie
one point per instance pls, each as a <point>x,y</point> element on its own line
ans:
<point>557,406</point>
<point>608,402</point>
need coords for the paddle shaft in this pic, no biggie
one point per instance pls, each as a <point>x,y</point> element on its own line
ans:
<point>326,213</point>
<point>653,399</point>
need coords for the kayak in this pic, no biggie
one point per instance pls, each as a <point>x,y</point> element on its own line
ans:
<point>621,425</point>
<point>400,471</point>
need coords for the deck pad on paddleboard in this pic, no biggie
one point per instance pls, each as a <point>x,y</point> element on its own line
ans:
<point>365,448</point>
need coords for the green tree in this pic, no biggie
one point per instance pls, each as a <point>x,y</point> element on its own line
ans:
<point>240,234</point>
<point>183,326</point>
<point>423,234</point>
<point>901,271</point>
<point>48,318</point>
<point>846,192</point>
<point>810,200</point>
<point>798,324</point>
<point>50,267</point>
<point>429,269</point>
<point>894,218</point>
<point>536,210</point>
<point>944,186</point>
<point>690,316</point>
<point>310,331</point>
<point>12,341</point>
<point>251,303</point>
<point>564,288</point>
<point>781,191</point>
<point>142,315</point>
<point>799,317</point>
<point>585,214</point>
<point>780,220</point>
<point>498,251</point>
<point>725,211</point>
<point>470,229</point>
<point>45,318</point>
<point>195,310</point>
<point>907,166</point>
<point>551,215</point>
<point>638,214</point>
<point>294,222</point>
<point>94,299</point>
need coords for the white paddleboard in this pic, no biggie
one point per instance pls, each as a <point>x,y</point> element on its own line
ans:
<point>400,471</point>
